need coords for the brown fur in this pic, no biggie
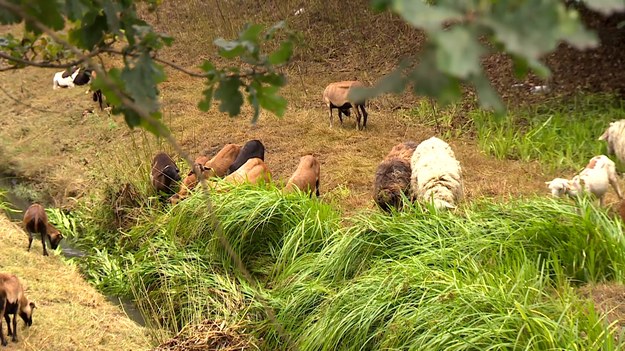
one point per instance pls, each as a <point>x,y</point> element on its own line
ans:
<point>223,160</point>
<point>214,167</point>
<point>253,171</point>
<point>402,151</point>
<point>13,301</point>
<point>392,179</point>
<point>251,149</point>
<point>36,221</point>
<point>306,176</point>
<point>164,173</point>
<point>336,94</point>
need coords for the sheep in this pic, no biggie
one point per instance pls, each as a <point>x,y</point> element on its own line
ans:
<point>221,162</point>
<point>84,76</point>
<point>306,176</point>
<point>164,173</point>
<point>436,174</point>
<point>596,178</point>
<point>560,187</point>
<point>392,177</point>
<point>336,94</point>
<point>251,149</point>
<point>64,79</point>
<point>36,221</point>
<point>13,301</point>
<point>614,135</point>
<point>252,171</point>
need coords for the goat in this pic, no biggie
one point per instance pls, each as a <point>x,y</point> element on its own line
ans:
<point>164,173</point>
<point>336,95</point>
<point>614,135</point>
<point>64,79</point>
<point>13,301</point>
<point>306,176</point>
<point>36,221</point>
<point>252,171</point>
<point>436,174</point>
<point>596,178</point>
<point>392,177</point>
<point>251,149</point>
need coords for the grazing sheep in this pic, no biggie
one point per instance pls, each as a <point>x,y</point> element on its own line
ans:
<point>251,149</point>
<point>64,79</point>
<point>306,176</point>
<point>560,187</point>
<point>392,177</point>
<point>436,174</point>
<point>36,221</point>
<point>596,178</point>
<point>227,156</point>
<point>164,173</point>
<point>614,135</point>
<point>84,76</point>
<point>13,301</point>
<point>252,171</point>
<point>335,95</point>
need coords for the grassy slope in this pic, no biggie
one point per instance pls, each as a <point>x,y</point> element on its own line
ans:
<point>71,314</point>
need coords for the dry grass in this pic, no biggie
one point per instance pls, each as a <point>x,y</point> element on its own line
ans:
<point>70,314</point>
<point>209,335</point>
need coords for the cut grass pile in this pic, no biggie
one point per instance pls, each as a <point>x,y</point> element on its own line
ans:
<point>490,276</point>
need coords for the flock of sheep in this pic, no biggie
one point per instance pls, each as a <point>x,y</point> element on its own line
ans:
<point>427,172</point>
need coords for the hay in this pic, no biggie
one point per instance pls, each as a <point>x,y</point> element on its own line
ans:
<point>210,335</point>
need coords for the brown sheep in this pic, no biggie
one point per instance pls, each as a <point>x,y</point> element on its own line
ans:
<point>251,149</point>
<point>36,221</point>
<point>214,167</point>
<point>164,173</point>
<point>392,177</point>
<point>221,162</point>
<point>335,95</point>
<point>13,301</point>
<point>306,176</point>
<point>253,171</point>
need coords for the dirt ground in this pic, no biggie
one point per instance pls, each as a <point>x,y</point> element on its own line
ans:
<point>70,313</point>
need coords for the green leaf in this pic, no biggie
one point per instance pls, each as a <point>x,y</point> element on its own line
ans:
<point>110,10</point>
<point>488,96</point>
<point>206,102</point>
<point>230,96</point>
<point>48,12</point>
<point>606,7</point>
<point>229,49</point>
<point>458,52</point>
<point>269,100</point>
<point>275,79</point>
<point>251,33</point>
<point>89,34</point>
<point>283,54</point>
<point>422,15</point>
<point>75,9</point>
<point>252,98</point>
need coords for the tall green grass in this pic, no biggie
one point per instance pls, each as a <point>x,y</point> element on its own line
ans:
<point>561,136</point>
<point>490,276</point>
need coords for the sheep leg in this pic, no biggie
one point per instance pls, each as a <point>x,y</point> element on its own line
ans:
<point>30,240</point>
<point>2,310</point>
<point>317,187</point>
<point>341,116</point>
<point>14,334</point>
<point>357,117</point>
<point>43,242</point>
<point>614,183</point>
<point>331,124</point>
<point>364,116</point>
<point>7,318</point>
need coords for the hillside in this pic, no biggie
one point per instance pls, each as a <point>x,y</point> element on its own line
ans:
<point>70,313</point>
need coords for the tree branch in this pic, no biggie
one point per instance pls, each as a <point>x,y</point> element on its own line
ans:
<point>45,64</point>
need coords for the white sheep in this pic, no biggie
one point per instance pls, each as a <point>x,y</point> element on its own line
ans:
<point>614,135</point>
<point>64,79</point>
<point>436,174</point>
<point>595,179</point>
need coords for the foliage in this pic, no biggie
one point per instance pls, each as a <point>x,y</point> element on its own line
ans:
<point>460,33</point>
<point>488,276</point>
<point>559,136</point>
<point>93,28</point>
